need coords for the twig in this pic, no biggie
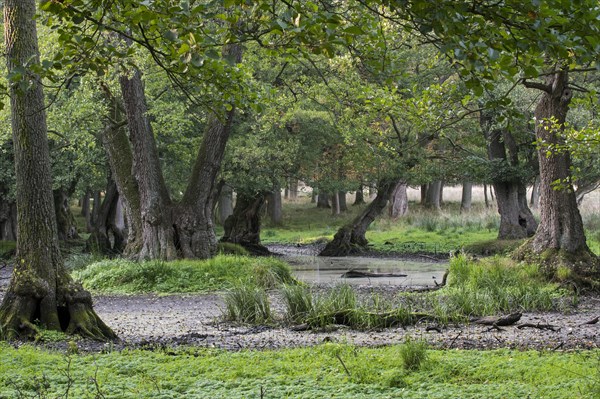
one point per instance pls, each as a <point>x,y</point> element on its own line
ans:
<point>454,339</point>
<point>343,364</point>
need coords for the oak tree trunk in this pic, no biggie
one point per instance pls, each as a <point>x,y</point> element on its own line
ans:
<point>40,288</point>
<point>243,226</point>
<point>398,201</point>
<point>560,238</point>
<point>433,195</point>
<point>342,201</point>
<point>323,200</point>
<point>108,234</point>
<point>359,199</point>
<point>65,221</point>
<point>274,206</point>
<point>466,199</point>
<point>351,237</point>
<point>516,219</point>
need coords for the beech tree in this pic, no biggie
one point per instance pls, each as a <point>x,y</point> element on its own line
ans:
<point>40,288</point>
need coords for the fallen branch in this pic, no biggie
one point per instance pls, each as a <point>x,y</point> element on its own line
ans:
<point>593,321</point>
<point>352,273</point>
<point>538,326</point>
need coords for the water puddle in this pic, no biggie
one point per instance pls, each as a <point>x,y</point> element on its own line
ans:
<point>325,270</point>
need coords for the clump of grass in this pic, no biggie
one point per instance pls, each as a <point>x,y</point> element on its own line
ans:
<point>183,276</point>
<point>299,303</point>
<point>247,304</point>
<point>413,354</point>
<point>496,285</point>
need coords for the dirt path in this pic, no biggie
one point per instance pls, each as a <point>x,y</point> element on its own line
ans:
<point>150,320</point>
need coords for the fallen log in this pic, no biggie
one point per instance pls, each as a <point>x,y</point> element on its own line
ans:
<point>589,322</point>
<point>352,273</point>
<point>498,321</point>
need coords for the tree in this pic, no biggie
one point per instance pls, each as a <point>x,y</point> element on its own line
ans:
<point>41,287</point>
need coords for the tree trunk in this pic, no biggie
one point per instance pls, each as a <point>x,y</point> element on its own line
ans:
<point>423,193</point>
<point>274,206</point>
<point>65,221</point>
<point>107,238</point>
<point>323,200</point>
<point>120,158</point>
<point>225,204</point>
<point>351,237</point>
<point>342,201</point>
<point>398,201</point>
<point>40,288</point>
<point>335,203</point>
<point>293,189</point>
<point>560,238</point>
<point>86,210</point>
<point>313,197</point>
<point>157,233</point>
<point>516,219</point>
<point>534,202</point>
<point>96,201</point>
<point>8,220</point>
<point>467,197</point>
<point>432,198</point>
<point>359,199</point>
<point>243,226</point>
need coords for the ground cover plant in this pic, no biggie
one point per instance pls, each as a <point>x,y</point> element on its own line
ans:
<point>331,370</point>
<point>183,276</point>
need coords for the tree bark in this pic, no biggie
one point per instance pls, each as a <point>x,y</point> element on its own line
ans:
<point>467,197</point>
<point>293,194</point>
<point>8,220</point>
<point>40,288</point>
<point>516,219</point>
<point>243,226</point>
<point>560,238</point>
<point>534,202</point>
<point>351,237</point>
<point>335,203</point>
<point>398,201</point>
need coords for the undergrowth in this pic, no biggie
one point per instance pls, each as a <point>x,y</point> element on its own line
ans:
<point>183,276</point>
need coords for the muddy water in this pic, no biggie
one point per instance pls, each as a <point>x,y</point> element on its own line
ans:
<point>325,270</point>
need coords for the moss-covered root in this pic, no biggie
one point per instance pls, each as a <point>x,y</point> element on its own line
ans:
<point>581,268</point>
<point>74,314</point>
<point>15,315</point>
<point>83,320</point>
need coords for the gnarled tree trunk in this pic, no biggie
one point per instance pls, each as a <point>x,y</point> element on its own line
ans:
<point>560,238</point>
<point>516,219</point>
<point>243,226</point>
<point>351,237</point>
<point>40,288</point>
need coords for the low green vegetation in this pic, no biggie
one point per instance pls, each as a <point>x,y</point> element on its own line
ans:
<point>183,276</point>
<point>330,370</point>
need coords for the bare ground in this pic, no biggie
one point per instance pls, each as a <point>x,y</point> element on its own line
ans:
<point>152,321</point>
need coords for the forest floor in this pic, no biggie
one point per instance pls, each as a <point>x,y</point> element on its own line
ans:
<point>152,321</point>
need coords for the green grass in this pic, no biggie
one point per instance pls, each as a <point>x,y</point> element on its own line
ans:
<point>315,372</point>
<point>183,276</point>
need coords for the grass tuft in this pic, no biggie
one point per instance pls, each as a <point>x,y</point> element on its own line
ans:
<point>247,304</point>
<point>413,354</point>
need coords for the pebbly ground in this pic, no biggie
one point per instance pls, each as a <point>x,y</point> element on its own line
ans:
<point>164,321</point>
